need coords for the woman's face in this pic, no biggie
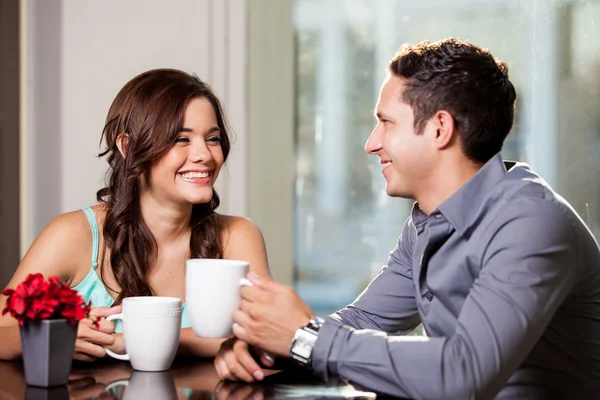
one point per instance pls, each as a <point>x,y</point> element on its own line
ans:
<point>187,172</point>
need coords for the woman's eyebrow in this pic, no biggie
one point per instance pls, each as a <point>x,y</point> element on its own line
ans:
<point>211,130</point>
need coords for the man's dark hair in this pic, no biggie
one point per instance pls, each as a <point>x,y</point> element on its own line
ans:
<point>465,80</point>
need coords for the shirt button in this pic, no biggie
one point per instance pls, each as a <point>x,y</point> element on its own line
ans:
<point>429,296</point>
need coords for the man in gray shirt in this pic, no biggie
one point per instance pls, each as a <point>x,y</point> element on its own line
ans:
<point>499,269</point>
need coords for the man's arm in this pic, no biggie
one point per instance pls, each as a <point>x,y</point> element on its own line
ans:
<point>388,303</point>
<point>527,272</point>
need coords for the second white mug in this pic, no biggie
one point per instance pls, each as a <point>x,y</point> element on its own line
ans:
<point>212,292</point>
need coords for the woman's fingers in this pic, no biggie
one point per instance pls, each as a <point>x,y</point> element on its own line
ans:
<point>103,312</point>
<point>79,356</point>
<point>245,359</point>
<point>236,369</point>
<point>87,332</point>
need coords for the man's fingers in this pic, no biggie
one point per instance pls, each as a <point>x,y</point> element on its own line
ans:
<point>245,306</point>
<point>264,282</point>
<point>241,320</point>
<point>254,294</point>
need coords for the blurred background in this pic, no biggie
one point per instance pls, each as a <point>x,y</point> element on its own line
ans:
<point>299,80</point>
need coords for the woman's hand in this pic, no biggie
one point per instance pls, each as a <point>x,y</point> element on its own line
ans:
<point>94,333</point>
<point>119,345</point>
<point>234,362</point>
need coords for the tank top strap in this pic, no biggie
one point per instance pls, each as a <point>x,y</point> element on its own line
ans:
<point>95,241</point>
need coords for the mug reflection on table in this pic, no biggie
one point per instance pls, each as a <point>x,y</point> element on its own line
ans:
<point>147,385</point>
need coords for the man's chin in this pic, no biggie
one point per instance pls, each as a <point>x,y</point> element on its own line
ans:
<point>394,192</point>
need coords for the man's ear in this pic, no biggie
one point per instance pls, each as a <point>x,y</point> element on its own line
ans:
<point>122,142</point>
<point>445,130</point>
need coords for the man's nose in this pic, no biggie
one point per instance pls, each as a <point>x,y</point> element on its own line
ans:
<point>373,144</point>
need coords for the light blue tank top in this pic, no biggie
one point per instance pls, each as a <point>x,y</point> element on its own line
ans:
<point>92,288</point>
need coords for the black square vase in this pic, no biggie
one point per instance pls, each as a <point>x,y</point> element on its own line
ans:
<point>48,347</point>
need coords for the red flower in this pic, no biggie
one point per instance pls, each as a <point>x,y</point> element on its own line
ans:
<point>36,299</point>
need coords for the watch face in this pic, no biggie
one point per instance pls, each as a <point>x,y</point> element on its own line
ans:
<point>303,350</point>
<point>304,344</point>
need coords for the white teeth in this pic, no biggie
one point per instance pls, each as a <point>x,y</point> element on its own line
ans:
<point>195,175</point>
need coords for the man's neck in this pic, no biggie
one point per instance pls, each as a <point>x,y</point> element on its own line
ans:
<point>449,177</point>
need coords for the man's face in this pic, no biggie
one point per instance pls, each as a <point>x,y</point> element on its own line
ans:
<point>406,156</point>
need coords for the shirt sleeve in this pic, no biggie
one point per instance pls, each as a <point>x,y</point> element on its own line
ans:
<point>528,269</point>
<point>388,303</point>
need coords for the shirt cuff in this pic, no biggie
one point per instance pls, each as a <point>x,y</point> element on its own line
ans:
<point>323,348</point>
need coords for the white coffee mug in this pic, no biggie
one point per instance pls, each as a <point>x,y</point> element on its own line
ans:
<point>212,292</point>
<point>147,385</point>
<point>151,326</point>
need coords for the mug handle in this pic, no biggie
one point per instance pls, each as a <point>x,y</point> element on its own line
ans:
<point>112,385</point>
<point>242,282</point>
<point>123,357</point>
<point>245,282</point>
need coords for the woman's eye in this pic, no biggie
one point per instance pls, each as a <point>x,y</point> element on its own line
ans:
<point>182,139</point>
<point>214,140</point>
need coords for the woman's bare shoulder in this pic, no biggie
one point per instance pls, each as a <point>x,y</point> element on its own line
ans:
<point>62,248</point>
<point>243,240</point>
<point>234,226</point>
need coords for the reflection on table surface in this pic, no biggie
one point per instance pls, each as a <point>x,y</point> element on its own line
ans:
<point>187,379</point>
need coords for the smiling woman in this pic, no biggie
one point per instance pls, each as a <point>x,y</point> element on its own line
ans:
<point>166,140</point>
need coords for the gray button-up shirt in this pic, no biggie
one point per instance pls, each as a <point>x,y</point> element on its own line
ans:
<point>505,278</point>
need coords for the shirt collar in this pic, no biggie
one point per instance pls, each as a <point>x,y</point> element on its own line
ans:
<point>462,208</point>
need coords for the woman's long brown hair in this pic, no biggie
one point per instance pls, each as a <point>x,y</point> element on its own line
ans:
<point>149,109</point>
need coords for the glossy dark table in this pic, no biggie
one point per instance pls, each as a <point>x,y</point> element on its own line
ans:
<point>187,379</point>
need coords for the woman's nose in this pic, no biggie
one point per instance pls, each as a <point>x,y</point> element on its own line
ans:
<point>199,152</point>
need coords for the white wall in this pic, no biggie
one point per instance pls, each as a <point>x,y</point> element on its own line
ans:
<point>76,57</point>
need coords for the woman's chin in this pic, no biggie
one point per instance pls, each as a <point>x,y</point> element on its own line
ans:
<point>199,199</point>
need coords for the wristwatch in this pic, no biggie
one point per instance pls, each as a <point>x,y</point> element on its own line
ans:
<point>304,342</point>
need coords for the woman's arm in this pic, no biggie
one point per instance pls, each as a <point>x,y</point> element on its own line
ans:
<point>54,252</point>
<point>62,249</point>
<point>242,240</point>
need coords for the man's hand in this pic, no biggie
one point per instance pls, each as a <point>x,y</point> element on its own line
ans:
<point>269,315</point>
<point>235,363</point>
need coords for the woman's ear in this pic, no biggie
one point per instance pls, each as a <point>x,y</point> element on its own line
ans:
<point>122,142</point>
